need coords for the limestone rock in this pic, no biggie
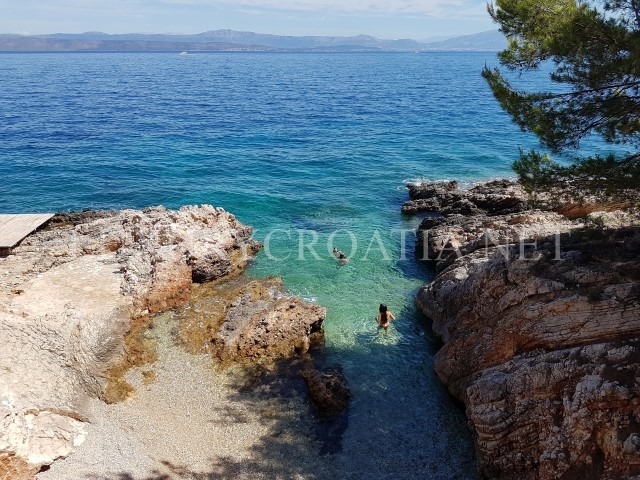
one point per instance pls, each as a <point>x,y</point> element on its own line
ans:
<point>492,198</point>
<point>67,299</point>
<point>249,321</point>
<point>13,467</point>
<point>574,203</point>
<point>328,390</point>
<point>569,413</point>
<point>521,303</point>
<point>450,237</point>
<point>540,319</point>
<point>39,446</point>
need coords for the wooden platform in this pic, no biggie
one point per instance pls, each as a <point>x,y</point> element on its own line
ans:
<point>14,228</point>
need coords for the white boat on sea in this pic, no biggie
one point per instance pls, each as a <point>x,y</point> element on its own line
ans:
<point>184,53</point>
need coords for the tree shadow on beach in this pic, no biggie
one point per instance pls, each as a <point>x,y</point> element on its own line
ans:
<point>295,446</point>
<point>394,436</point>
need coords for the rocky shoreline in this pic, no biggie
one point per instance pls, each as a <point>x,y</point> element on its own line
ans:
<point>77,300</point>
<point>538,307</point>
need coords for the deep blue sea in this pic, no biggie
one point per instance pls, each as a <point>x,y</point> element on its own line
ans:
<point>298,142</point>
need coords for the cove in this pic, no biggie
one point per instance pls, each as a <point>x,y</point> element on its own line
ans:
<point>316,142</point>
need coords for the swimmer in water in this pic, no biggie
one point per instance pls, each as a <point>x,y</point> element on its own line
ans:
<point>384,317</point>
<point>342,258</point>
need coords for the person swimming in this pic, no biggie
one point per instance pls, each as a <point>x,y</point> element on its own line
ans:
<point>342,258</point>
<point>384,317</point>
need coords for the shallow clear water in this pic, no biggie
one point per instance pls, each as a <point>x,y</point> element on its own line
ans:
<point>316,142</point>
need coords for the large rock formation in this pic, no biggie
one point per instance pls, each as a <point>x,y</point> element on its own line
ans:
<point>500,197</point>
<point>249,321</point>
<point>449,237</point>
<point>540,319</point>
<point>494,198</point>
<point>72,299</point>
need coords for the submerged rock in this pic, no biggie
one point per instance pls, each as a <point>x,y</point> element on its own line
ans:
<point>328,390</point>
<point>540,319</point>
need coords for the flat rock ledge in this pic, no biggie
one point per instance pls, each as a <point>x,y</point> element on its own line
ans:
<point>73,293</point>
<point>539,316</point>
<point>501,197</point>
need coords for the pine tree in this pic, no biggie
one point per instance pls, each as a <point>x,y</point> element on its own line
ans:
<point>594,51</point>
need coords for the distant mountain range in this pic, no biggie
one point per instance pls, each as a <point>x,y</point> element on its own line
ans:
<point>232,40</point>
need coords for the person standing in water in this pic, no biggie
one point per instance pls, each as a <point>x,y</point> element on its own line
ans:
<point>384,317</point>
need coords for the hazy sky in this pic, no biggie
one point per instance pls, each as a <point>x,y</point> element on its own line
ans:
<point>382,18</point>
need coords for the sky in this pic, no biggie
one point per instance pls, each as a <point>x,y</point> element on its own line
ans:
<point>393,19</point>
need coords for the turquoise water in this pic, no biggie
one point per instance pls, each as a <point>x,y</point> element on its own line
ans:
<point>313,143</point>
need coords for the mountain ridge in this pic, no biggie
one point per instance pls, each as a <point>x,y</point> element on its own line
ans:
<point>234,40</point>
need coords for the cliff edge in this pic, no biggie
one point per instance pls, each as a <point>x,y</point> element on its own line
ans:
<point>539,316</point>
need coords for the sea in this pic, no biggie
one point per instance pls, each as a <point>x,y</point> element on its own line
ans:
<point>314,151</point>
